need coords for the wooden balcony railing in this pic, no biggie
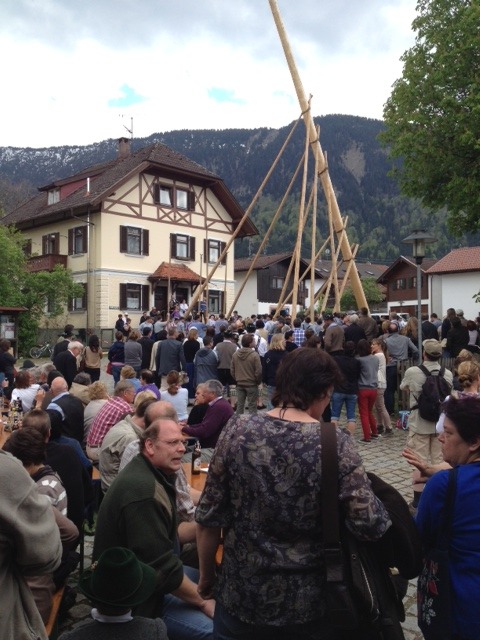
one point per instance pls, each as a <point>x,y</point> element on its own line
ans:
<point>46,262</point>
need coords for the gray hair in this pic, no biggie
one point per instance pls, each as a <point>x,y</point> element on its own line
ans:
<point>83,378</point>
<point>213,386</point>
<point>75,344</point>
<point>353,318</point>
<point>122,386</point>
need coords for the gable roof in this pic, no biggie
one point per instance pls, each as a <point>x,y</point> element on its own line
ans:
<point>426,264</point>
<point>167,271</point>
<point>243,264</point>
<point>457,261</point>
<point>105,178</point>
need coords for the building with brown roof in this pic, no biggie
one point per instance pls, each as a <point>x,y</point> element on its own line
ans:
<point>133,231</point>
<point>400,282</point>
<point>455,280</point>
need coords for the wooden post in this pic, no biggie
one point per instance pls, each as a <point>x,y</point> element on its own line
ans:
<point>314,238</point>
<point>267,235</point>
<point>301,215</point>
<point>318,154</point>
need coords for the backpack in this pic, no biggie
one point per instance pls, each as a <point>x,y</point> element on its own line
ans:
<point>434,391</point>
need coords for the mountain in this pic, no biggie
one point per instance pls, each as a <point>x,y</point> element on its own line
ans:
<point>378,216</point>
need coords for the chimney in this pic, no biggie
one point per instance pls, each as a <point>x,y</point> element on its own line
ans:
<point>123,148</point>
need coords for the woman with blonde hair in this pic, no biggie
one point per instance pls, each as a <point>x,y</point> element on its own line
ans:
<point>271,361</point>
<point>129,373</point>
<point>411,330</point>
<point>469,379</point>
<point>98,394</point>
<point>177,395</point>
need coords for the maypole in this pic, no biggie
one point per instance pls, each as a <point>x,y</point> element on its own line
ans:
<point>321,165</point>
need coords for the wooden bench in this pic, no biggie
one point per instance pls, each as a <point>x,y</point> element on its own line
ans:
<point>52,624</point>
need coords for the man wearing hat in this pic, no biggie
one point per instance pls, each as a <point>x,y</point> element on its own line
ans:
<point>115,584</point>
<point>422,437</point>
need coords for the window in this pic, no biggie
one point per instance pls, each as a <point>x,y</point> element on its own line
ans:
<point>400,283</point>
<point>53,196</point>
<point>169,196</point>
<point>182,247</point>
<point>134,241</point>
<point>212,250</point>
<point>79,303</point>
<point>27,248</point>
<point>135,297</point>
<point>51,244</point>
<point>77,241</point>
<point>215,302</point>
<point>277,282</point>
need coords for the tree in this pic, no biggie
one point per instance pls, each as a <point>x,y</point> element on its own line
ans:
<point>20,287</point>
<point>433,114</point>
<point>372,290</point>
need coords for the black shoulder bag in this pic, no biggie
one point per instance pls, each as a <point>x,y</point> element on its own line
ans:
<point>359,593</point>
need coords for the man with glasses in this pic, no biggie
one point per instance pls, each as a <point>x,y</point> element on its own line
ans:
<point>139,512</point>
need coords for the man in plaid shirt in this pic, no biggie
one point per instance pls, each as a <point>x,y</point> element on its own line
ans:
<point>112,412</point>
<point>298,332</point>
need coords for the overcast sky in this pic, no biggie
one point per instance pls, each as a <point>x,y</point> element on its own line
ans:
<point>77,71</point>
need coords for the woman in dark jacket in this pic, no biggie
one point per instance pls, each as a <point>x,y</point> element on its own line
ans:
<point>457,338</point>
<point>190,348</point>
<point>346,391</point>
<point>275,354</point>
<point>116,355</point>
<point>7,362</point>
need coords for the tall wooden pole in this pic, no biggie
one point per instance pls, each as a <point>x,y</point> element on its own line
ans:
<point>314,238</point>
<point>318,154</point>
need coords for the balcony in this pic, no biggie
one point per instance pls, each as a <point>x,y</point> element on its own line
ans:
<point>46,262</point>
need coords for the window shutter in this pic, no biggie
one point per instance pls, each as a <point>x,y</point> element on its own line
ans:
<point>85,296</point>
<point>222,247</point>
<point>205,250</point>
<point>173,245</point>
<point>145,297</point>
<point>191,252</point>
<point>44,245</point>
<point>123,239</point>
<point>145,242</point>
<point>191,200</point>
<point>27,248</point>
<point>123,296</point>
<point>84,239</point>
<point>156,193</point>
<point>70,241</point>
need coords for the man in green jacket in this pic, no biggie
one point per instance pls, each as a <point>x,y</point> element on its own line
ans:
<point>139,513</point>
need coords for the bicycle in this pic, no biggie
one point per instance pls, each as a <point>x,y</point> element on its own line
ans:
<point>44,350</point>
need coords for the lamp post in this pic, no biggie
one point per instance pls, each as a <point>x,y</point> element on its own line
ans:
<point>418,239</point>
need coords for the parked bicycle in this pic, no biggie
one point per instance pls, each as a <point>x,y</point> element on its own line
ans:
<point>42,351</point>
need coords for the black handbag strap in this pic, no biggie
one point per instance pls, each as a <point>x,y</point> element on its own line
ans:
<point>447,514</point>
<point>329,458</point>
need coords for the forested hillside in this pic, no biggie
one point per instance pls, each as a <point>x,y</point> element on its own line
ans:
<point>378,216</point>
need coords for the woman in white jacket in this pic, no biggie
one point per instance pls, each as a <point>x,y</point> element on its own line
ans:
<point>379,350</point>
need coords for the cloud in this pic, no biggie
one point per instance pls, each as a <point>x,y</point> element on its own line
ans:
<point>189,64</point>
<point>129,98</point>
<point>224,95</point>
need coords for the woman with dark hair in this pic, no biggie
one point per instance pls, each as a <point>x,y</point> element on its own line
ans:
<point>116,355</point>
<point>367,390</point>
<point>272,359</point>
<point>264,489</point>
<point>460,440</point>
<point>26,389</point>
<point>93,358</point>
<point>346,391</point>
<point>190,347</point>
<point>7,363</point>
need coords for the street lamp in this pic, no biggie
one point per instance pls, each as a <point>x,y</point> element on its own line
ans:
<point>418,239</point>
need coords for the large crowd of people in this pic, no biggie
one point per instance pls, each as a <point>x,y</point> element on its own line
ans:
<point>180,380</point>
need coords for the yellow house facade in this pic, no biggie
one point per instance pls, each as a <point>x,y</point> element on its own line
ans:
<point>136,232</point>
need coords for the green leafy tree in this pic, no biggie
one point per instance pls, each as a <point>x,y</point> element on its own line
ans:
<point>373,294</point>
<point>433,114</point>
<point>20,287</point>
